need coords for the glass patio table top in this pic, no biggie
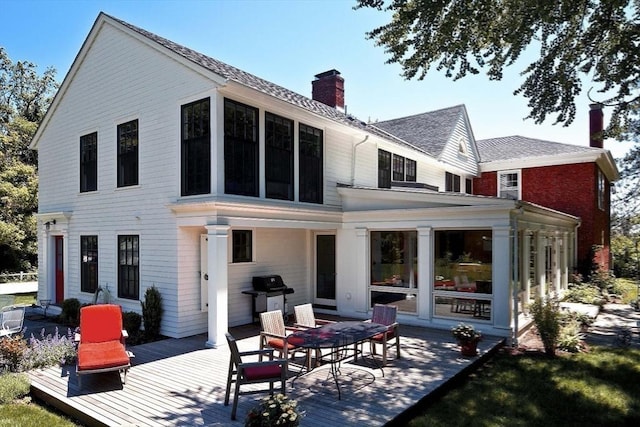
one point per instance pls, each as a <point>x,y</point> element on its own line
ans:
<point>335,335</point>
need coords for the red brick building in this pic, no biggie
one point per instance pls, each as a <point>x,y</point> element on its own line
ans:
<point>569,178</point>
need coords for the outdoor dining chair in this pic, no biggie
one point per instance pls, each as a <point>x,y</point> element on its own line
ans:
<point>274,334</point>
<point>305,318</point>
<point>386,315</point>
<point>11,320</point>
<point>242,371</point>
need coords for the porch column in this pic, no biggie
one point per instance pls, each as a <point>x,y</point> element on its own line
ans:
<point>425,271</point>
<point>501,272</point>
<point>557,269</point>
<point>564,260</point>
<point>363,266</point>
<point>525,270</point>
<point>541,253</point>
<point>217,260</point>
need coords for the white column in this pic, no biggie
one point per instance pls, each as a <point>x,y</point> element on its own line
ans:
<point>557,271</point>
<point>525,269</point>
<point>501,272</point>
<point>425,272</point>
<point>363,265</point>
<point>541,253</point>
<point>564,261</point>
<point>217,259</point>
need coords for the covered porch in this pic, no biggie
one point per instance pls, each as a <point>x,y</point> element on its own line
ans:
<point>180,382</point>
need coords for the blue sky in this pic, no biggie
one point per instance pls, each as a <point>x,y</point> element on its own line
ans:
<point>288,42</point>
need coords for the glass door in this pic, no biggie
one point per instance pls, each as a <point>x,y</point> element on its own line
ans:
<point>325,274</point>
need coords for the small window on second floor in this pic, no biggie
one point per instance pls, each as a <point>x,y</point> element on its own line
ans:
<point>128,154</point>
<point>398,168</point>
<point>509,185</point>
<point>384,169</point>
<point>278,157</point>
<point>411,174</point>
<point>89,162</point>
<point>452,182</point>
<point>195,148</point>
<point>310,170</point>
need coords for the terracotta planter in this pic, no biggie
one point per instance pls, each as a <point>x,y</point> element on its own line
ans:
<point>469,348</point>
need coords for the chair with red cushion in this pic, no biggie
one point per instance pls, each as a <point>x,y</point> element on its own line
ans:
<point>244,372</point>
<point>386,315</point>
<point>274,334</point>
<point>101,341</point>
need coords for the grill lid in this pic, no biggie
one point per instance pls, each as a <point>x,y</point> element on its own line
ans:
<point>272,282</point>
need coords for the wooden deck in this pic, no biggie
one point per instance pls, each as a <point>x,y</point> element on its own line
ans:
<point>179,382</point>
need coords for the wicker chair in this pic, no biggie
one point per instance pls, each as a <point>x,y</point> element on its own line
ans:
<point>243,372</point>
<point>274,334</point>
<point>386,315</point>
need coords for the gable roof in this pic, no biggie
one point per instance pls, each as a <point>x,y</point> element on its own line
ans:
<point>428,131</point>
<point>498,153</point>
<point>520,147</point>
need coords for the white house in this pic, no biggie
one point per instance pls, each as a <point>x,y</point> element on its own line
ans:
<point>162,166</point>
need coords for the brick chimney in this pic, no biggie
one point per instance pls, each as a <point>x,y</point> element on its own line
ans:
<point>328,88</point>
<point>595,125</point>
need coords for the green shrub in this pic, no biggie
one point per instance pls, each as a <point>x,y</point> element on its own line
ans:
<point>13,387</point>
<point>49,350</point>
<point>131,321</point>
<point>546,316</point>
<point>584,293</point>
<point>583,320</point>
<point>603,279</point>
<point>12,350</point>
<point>570,338</point>
<point>70,314</point>
<point>152,312</point>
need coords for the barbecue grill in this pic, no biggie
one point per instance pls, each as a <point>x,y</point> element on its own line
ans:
<point>268,294</point>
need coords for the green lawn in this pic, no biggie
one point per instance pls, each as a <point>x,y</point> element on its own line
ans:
<point>599,388</point>
<point>31,415</point>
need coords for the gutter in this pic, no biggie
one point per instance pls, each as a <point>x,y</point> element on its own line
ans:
<point>353,159</point>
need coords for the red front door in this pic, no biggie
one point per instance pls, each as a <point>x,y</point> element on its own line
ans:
<point>59,269</point>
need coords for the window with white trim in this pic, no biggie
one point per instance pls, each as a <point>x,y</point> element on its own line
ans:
<point>509,185</point>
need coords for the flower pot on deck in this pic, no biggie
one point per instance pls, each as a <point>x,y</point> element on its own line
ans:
<point>469,348</point>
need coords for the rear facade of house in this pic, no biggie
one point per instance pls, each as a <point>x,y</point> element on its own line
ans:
<point>160,166</point>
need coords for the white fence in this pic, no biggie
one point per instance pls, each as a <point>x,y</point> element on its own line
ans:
<point>23,276</point>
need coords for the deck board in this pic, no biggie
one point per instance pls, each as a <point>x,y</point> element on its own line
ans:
<point>180,382</point>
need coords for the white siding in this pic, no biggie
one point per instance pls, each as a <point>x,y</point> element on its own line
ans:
<point>451,153</point>
<point>121,79</point>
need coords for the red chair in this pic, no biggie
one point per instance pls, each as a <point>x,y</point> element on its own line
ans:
<point>386,315</point>
<point>101,341</point>
<point>244,372</point>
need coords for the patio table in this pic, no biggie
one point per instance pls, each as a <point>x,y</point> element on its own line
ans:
<point>337,337</point>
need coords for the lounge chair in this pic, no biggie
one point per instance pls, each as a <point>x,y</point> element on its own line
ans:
<point>101,340</point>
<point>11,320</point>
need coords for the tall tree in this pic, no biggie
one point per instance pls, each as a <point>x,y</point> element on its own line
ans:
<point>24,98</point>
<point>596,39</point>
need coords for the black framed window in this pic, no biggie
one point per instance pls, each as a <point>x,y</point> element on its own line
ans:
<point>384,169</point>
<point>398,168</point>
<point>411,174</point>
<point>88,263</point>
<point>452,182</point>
<point>128,267</point>
<point>311,155</point>
<point>240,149</point>
<point>89,162</point>
<point>278,157</point>
<point>196,148</point>
<point>128,153</point>
<point>242,246</point>
<point>468,186</point>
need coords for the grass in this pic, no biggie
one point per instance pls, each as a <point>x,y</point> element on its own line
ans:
<point>628,288</point>
<point>26,299</point>
<point>599,388</point>
<point>31,415</point>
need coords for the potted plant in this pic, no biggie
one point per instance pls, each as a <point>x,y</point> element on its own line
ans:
<point>467,338</point>
<point>274,410</point>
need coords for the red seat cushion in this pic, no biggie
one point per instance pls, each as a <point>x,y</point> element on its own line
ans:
<point>263,372</point>
<point>104,355</point>
<point>279,344</point>
<point>380,337</point>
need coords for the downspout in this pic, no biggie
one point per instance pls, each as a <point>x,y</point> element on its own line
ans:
<point>353,159</point>
<point>515,270</point>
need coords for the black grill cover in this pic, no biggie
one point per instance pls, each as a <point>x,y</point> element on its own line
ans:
<point>268,283</point>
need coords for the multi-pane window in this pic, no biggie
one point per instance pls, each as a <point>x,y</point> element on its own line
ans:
<point>89,162</point>
<point>128,267</point>
<point>384,169</point>
<point>196,148</point>
<point>88,263</point>
<point>128,153</point>
<point>278,157</point>
<point>509,185</point>
<point>242,246</point>
<point>410,170</point>
<point>398,168</point>
<point>240,149</point>
<point>310,158</point>
<point>452,182</point>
